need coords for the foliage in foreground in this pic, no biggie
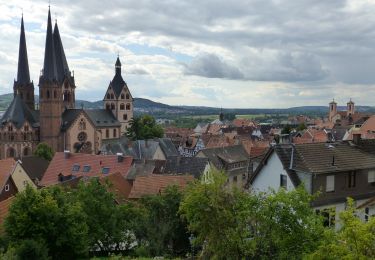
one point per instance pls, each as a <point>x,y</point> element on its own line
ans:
<point>44,151</point>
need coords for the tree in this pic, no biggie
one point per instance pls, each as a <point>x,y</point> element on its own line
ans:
<point>354,240</point>
<point>44,151</point>
<point>162,231</point>
<point>286,130</point>
<point>301,127</point>
<point>51,220</point>
<point>108,224</point>
<point>144,127</point>
<point>219,218</point>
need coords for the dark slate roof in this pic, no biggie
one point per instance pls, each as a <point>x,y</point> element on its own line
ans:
<point>49,67</point>
<point>333,157</point>
<point>338,132</point>
<point>35,167</point>
<point>228,154</point>
<point>61,62</point>
<point>186,165</point>
<point>68,117</point>
<point>117,82</point>
<point>18,113</point>
<point>366,145</point>
<point>23,73</point>
<point>102,118</point>
<point>168,148</point>
<point>141,168</point>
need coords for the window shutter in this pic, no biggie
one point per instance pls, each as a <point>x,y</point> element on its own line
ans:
<point>330,185</point>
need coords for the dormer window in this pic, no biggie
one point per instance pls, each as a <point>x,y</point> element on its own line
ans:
<point>75,168</point>
<point>6,188</point>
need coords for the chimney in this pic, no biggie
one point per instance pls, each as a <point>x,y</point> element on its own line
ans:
<point>356,138</point>
<point>120,157</point>
<point>66,154</point>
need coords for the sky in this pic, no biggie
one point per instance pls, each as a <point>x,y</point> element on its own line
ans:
<point>231,54</point>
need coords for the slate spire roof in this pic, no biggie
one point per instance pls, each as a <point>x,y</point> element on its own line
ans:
<point>23,73</point>
<point>61,62</point>
<point>18,112</point>
<point>118,82</point>
<point>49,67</point>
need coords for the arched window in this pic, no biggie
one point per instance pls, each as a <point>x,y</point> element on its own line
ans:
<point>112,106</point>
<point>112,96</point>
<point>114,133</point>
<point>127,96</point>
<point>26,151</point>
<point>122,106</point>
<point>47,93</point>
<point>125,117</point>
<point>82,124</point>
<point>11,152</point>
<point>24,135</point>
<point>122,96</point>
<point>54,94</point>
<point>107,133</point>
<point>108,96</point>
<point>107,106</point>
<point>127,106</point>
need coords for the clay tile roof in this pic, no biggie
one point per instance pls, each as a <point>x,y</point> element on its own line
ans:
<point>4,209</point>
<point>155,184</point>
<point>6,168</point>
<point>118,186</point>
<point>94,166</point>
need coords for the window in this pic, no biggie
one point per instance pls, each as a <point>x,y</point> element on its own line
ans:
<point>75,168</point>
<point>127,96</point>
<point>125,116</point>
<point>86,168</point>
<point>112,106</point>
<point>55,94</point>
<point>107,106</point>
<point>243,176</point>
<point>122,96</point>
<point>82,124</point>
<point>330,183</point>
<point>234,179</point>
<point>107,133</point>
<point>25,183</point>
<point>6,187</point>
<point>82,137</point>
<point>283,181</point>
<point>108,96</point>
<point>105,170</point>
<point>351,179</point>
<point>26,128</point>
<point>122,106</point>
<point>127,106</point>
<point>47,93</point>
<point>114,133</point>
<point>112,96</point>
<point>371,176</point>
<point>329,216</point>
<point>367,212</point>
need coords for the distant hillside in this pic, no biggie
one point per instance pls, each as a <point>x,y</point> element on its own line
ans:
<point>142,106</point>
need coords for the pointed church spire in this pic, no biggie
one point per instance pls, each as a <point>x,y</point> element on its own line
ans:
<point>23,73</point>
<point>49,68</point>
<point>61,62</point>
<point>118,65</point>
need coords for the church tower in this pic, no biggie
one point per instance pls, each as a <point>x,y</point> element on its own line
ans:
<point>332,110</point>
<point>350,108</point>
<point>23,86</point>
<point>51,103</point>
<point>118,99</point>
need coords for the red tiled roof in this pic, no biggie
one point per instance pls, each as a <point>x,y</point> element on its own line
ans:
<point>4,209</point>
<point>155,184</point>
<point>118,185</point>
<point>60,165</point>
<point>6,168</point>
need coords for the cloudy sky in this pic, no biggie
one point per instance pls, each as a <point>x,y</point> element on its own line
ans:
<point>243,54</point>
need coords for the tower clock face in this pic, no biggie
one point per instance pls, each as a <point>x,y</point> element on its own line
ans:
<point>82,137</point>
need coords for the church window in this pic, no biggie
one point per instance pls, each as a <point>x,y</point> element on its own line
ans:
<point>10,128</point>
<point>107,133</point>
<point>112,96</point>
<point>127,106</point>
<point>127,96</point>
<point>82,137</point>
<point>122,96</point>
<point>54,94</point>
<point>112,106</point>
<point>108,96</point>
<point>125,117</point>
<point>11,152</point>
<point>24,136</point>
<point>114,133</point>
<point>26,151</point>
<point>107,106</point>
<point>82,124</point>
<point>26,128</point>
<point>122,106</point>
<point>47,93</point>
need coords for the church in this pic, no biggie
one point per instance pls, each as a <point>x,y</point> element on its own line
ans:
<point>54,119</point>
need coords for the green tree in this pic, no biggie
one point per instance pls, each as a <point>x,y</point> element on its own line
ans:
<point>44,151</point>
<point>354,240</point>
<point>108,224</point>
<point>301,127</point>
<point>144,127</point>
<point>219,218</point>
<point>162,231</point>
<point>286,130</point>
<point>49,218</point>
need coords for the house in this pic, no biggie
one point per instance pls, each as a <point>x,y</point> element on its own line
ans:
<point>335,170</point>
<point>191,146</point>
<point>365,127</point>
<point>233,160</point>
<point>195,166</point>
<point>13,178</point>
<point>35,167</point>
<point>66,166</point>
<point>312,136</point>
<point>201,128</point>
